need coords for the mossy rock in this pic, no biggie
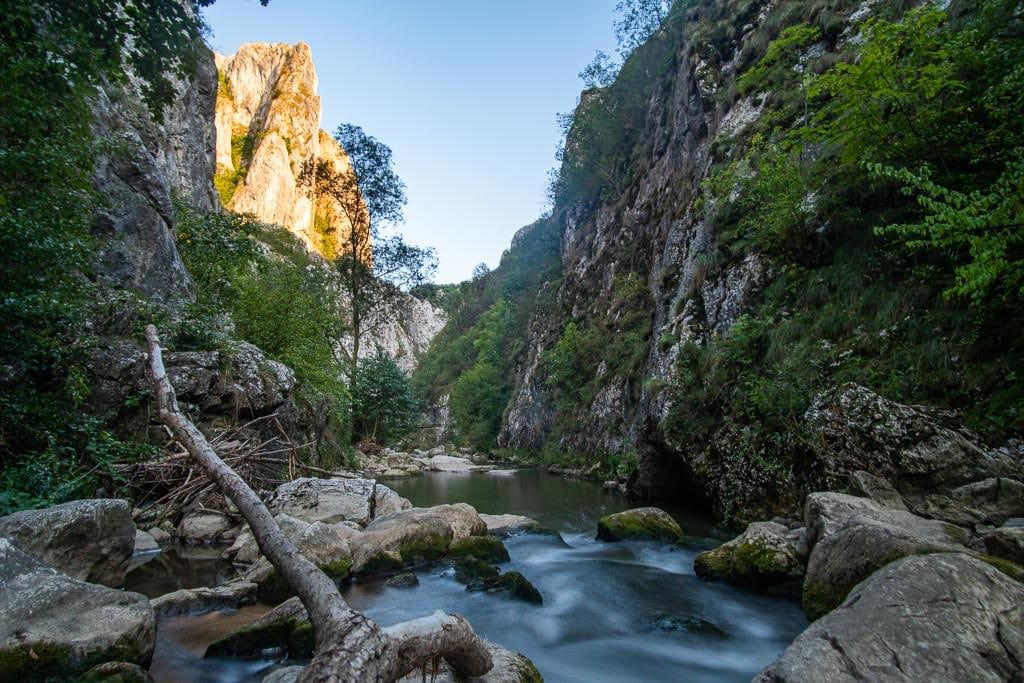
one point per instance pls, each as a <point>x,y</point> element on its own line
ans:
<point>285,627</point>
<point>820,599</point>
<point>383,563</point>
<point>515,583</point>
<point>116,672</point>
<point>428,549</point>
<point>688,624</point>
<point>761,558</point>
<point>649,523</point>
<point>484,548</point>
<point>470,569</point>
<point>1008,567</point>
<point>403,580</point>
<point>39,661</point>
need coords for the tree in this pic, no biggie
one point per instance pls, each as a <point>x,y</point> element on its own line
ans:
<point>636,21</point>
<point>376,270</point>
<point>600,73</point>
<point>383,399</point>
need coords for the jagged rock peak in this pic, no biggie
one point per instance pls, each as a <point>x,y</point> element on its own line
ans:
<point>268,126</point>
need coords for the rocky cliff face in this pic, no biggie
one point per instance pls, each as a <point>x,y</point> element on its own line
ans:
<point>147,164</point>
<point>653,233</point>
<point>267,127</point>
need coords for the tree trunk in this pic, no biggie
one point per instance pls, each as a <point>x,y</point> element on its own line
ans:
<point>349,647</point>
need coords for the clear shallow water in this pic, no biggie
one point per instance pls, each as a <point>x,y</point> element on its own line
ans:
<point>618,612</point>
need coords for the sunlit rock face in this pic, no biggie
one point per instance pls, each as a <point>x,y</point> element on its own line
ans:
<point>268,127</point>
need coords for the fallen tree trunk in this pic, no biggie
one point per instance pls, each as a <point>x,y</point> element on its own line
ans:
<point>349,647</point>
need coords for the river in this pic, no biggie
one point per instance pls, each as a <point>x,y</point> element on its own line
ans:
<point>631,611</point>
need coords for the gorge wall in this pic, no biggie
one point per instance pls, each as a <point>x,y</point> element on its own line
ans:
<point>267,127</point>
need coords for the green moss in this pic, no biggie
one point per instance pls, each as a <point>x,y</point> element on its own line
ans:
<point>820,599</point>
<point>638,526</point>
<point>36,662</point>
<point>470,569</point>
<point>274,589</point>
<point>1008,567</point>
<point>302,641</point>
<point>528,673</point>
<point>518,585</point>
<point>753,564</point>
<point>338,569</point>
<point>249,640</point>
<point>382,564</point>
<point>485,548</point>
<point>424,550</point>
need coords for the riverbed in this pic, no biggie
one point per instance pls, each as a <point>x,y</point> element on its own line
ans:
<point>628,611</point>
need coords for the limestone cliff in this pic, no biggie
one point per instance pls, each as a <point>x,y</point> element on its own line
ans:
<point>267,127</point>
<point>149,162</point>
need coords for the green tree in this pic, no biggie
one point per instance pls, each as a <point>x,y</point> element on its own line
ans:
<point>385,404</point>
<point>376,269</point>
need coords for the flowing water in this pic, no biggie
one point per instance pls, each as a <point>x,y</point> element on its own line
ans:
<point>631,611</point>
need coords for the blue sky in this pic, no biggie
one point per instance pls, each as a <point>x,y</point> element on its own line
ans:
<point>464,92</point>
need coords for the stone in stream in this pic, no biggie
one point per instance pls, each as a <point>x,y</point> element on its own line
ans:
<point>648,523</point>
<point>403,580</point>
<point>767,556</point>
<point>505,525</point>
<point>335,500</point>
<point>91,540</point>
<point>204,526</point>
<point>485,548</point>
<point>938,617</point>
<point>54,626</point>
<point>285,627</point>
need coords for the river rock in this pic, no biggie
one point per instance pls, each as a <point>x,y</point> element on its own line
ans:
<point>334,500</point>
<point>54,626</point>
<point>403,580</point>
<point>90,540</point>
<point>116,672</point>
<point>230,595</point>
<point>144,543</point>
<point>865,543</point>
<point>326,546</point>
<point>917,449</point>
<point>647,523</point>
<point>1006,542</point>
<point>204,526</point>
<point>450,463</point>
<point>990,501</point>
<point>939,617</point>
<point>505,525</point>
<point>245,551</point>
<point>462,518</point>
<point>765,556</point>
<point>399,540</point>
<point>485,548</point>
<point>826,513</point>
<point>285,627</point>
<point>877,489</point>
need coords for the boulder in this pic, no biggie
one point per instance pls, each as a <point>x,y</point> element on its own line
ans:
<point>161,536</point>
<point>917,449</point>
<point>230,595</point>
<point>116,672</point>
<point>505,525</point>
<point>91,540</point>
<point>990,501</point>
<point>647,523</point>
<point>765,556</point>
<point>204,526</point>
<point>144,543</point>
<point>450,463</point>
<point>245,551</point>
<point>877,489</point>
<point>1006,542</point>
<point>867,542</point>
<point>327,547</point>
<point>401,540</point>
<point>486,548</point>
<point>285,628</point>
<point>939,617</point>
<point>403,580</point>
<point>462,518</point>
<point>334,500</point>
<point>826,513</point>
<point>54,626</point>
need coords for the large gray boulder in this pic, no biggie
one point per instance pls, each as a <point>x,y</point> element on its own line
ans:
<point>334,500</point>
<point>990,501</point>
<point>852,537</point>
<point>55,626</point>
<point>915,448</point>
<point>390,547</point>
<point>204,526</point>
<point>461,518</point>
<point>91,540</point>
<point>767,556</point>
<point>939,617</point>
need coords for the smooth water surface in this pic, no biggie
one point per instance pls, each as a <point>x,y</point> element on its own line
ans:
<point>628,611</point>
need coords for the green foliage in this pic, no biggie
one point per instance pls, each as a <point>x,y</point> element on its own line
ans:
<point>984,228</point>
<point>776,69</point>
<point>384,403</point>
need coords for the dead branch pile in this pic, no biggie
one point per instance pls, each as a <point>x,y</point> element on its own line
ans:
<point>175,481</point>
